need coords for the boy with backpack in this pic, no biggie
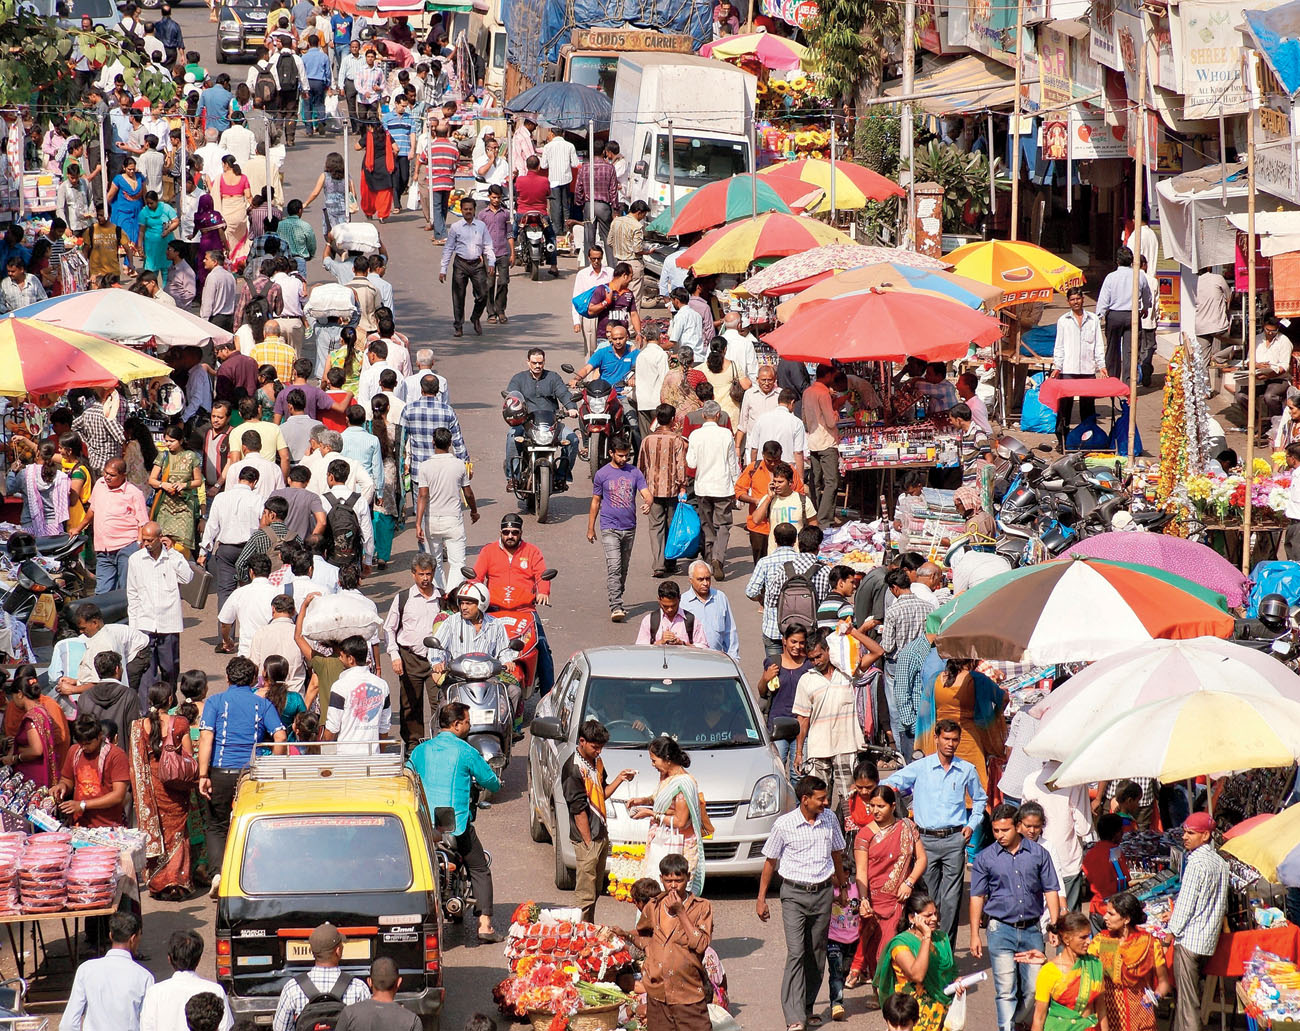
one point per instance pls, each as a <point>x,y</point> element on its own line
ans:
<point>316,998</point>
<point>349,537</point>
<point>782,582</point>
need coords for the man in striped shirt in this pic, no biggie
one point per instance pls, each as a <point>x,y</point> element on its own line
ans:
<point>436,171</point>
<point>400,126</point>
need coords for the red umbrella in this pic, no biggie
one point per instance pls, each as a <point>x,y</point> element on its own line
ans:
<point>883,326</point>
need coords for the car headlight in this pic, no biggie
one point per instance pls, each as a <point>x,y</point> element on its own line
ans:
<point>544,434</point>
<point>766,799</point>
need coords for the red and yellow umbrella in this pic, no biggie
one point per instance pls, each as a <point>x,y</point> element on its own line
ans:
<point>734,247</point>
<point>740,196</point>
<point>769,50</point>
<point>41,359</point>
<point>854,184</point>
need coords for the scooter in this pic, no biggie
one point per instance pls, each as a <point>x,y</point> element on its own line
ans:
<point>536,249</point>
<point>475,679</point>
<point>521,626</point>
<point>455,890</point>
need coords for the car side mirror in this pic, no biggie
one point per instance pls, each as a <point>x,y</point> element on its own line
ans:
<point>785,728</point>
<point>566,367</point>
<point>641,168</point>
<point>548,728</point>
<point>550,574</point>
<point>444,819</point>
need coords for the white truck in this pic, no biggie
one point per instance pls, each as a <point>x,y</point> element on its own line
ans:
<point>710,105</point>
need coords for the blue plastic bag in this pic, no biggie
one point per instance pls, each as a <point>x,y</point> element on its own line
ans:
<point>582,303</point>
<point>1273,578</point>
<point>1087,436</point>
<point>684,533</point>
<point>1119,439</point>
<point>1036,417</point>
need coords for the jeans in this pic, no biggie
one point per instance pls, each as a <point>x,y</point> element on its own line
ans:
<point>661,517</point>
<point>315,103</point>
<point>568,456</point>
<point>548,234</point>
<point>444,539</point>
<point>438,213</point>
<point>837,965</point>
<point>545,661</point>
<point>618,556</point>
<point>401,180</point>
<point>1013,982</point>
<point>806,919</point>
<point>325,338</point>
<point>561,205</point>
<point>110,568</point>
<point>598,234</point>
<point>944,876</point>
<point>164,654</point>
<point>480,873</point>
<point>825,482</point>
<point>785,752</point>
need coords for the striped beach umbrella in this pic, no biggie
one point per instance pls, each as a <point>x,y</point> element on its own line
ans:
<point>43,360</point>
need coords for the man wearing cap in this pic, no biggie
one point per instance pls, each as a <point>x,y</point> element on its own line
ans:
<point>327,954</point>
<point>470,629</point>
<point>512,572</point>
<point>1197,917</point>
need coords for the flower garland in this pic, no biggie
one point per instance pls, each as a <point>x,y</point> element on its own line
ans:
<point>1184,432</point>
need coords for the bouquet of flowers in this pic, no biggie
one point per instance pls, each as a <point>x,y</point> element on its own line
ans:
<point>625,861</point>
<point>588,948</point>
<point>550,988</point>
<point>1224,498</point>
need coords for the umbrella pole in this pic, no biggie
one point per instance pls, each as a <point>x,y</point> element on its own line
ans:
<point>753,166</point>
<point>591,181</point>
<point>1135,314</point>
<point>1251,243</point>
<point>672,168</point>
<point>1015,127</point>
<point>832,170</point>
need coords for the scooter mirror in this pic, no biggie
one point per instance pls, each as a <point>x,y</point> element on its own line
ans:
<point>467,572</point>
<point>1044,448</point>
<point>550,574</point>
<point>504,394</point>
<point>566,367</point>
<point>515,644</point>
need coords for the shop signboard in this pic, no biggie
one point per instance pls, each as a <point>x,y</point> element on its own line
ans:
<point>1104,41</point>
<point>1171,299</point>
<point>1275,148</point>
<point>1211,43</point>
<point>1054,71</point>
<point>1091,138</point>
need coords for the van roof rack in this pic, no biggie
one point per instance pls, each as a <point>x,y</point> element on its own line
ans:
<point>327,759</point>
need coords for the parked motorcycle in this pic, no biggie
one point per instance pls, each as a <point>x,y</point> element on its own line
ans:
<point>48,566</point>
<point>475,679</point>
<point>536,250</point>
<point>540,439</point>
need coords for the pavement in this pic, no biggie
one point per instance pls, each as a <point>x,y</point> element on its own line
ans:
<point>477,368</point>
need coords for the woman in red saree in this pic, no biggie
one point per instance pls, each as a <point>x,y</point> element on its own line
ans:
<point>34,755</point>
<point>1133,961</point>
<point>161,811</point>
<point>377,174</point>
<point>889,860</point>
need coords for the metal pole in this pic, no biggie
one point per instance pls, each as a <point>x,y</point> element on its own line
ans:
<point>347,165</point>
<point>1015,127</point>
<point>103,161</point>
<point>1249,330</point>
<point>266,143</point>
<point>833,142</point>
<point>672,167</point>
<point>1135,315</point>
<point>993,199</point>
<point>1223,160</point>
<point>908,139</point>
<point>591,180</point>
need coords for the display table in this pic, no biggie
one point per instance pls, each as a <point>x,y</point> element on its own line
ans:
<point>71,937</point>
<point>1235,947</point>
<point>1053,389</point>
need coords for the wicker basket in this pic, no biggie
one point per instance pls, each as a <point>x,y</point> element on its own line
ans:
<point>594,1018</point>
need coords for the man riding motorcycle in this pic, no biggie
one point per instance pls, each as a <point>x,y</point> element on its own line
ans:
<point>512,569</point>
<point>470,629</point>
<point>543,391</point>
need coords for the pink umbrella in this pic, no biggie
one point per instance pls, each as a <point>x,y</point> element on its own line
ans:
<point>1188,559</point>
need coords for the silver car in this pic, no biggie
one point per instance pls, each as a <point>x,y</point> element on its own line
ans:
<point>639,692</point>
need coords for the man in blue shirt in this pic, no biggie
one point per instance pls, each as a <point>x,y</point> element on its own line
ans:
<point>448,767</point>
<point>711,607</point>
<point>214,103</point>
<point>232,724</point>
<point>400,126</point>
<point>1011,882</point>
<point>316,63</point>
<point>341,27</point>
<point>613,362</point>
<point>939,785</point>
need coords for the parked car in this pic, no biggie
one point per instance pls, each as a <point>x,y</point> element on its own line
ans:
<point>103,13</point>
<point>341,838</point>
<point>639,692</point>
<point>241,29</point>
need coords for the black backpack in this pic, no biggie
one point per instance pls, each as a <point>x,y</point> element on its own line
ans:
<point>264,88</point>
<point>287,70</point>
<point>657,616</point>
<point>796,601</point>
<point>323,1009</point>
<point>342,530</point>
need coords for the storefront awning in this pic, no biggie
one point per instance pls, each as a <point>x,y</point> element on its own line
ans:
<point>991,86</point>
<point>1194,210</point>
<point>1280,230</point>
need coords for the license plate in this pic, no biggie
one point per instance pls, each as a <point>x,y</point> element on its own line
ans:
<point>300,951</point>
<point>477,717</point>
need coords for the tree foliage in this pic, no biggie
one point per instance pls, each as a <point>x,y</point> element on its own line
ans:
<point>36,53</point>
<point>964,178</point>
<point>854,41</point>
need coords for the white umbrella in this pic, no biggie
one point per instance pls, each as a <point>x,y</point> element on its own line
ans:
<point>1177,738</point>
<point>128,318</point>
<point>1155,671</point>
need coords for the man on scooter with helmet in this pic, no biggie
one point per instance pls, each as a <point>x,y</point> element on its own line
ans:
<point>471,629</point>
<point>512,569</point>
<point>541,391</point>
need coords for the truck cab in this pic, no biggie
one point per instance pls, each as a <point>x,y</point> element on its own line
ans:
<point>343,838</point>
<point>591,56</point>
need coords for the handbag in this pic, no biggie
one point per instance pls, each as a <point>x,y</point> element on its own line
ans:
<point>176,770</point>
<point>736,392</point>
<point>664,841</point>
<point>195,593</point>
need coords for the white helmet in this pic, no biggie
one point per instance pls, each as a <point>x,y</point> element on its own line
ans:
<point>475,591</point>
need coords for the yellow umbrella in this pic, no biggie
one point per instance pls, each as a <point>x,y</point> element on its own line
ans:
<point>1023,271</point>
<point>1271,845</point>
<point>855,184</point>
<point>732,248</point>
<point>41,359</point>
<point>886,276</point>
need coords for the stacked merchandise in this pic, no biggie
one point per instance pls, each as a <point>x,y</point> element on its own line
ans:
<point>1270,988</point>
<point>42,872</point>
<point>92,877</point>
<point>935,518</point>
<point>11,846</point>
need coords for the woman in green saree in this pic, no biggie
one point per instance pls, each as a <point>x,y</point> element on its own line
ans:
<point>918,962</point>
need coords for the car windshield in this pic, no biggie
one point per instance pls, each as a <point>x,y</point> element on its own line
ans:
<point>347,854</point>
<point>597,72</point>
<point>705,713</point>
<point>699,162</point>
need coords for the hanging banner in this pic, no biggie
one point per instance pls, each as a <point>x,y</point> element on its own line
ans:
<point>1164,69</point>
<point>1212,84</point>
<point>1054,139</point>
<point>1103,43</point>
<point>1054,68</point>
<point>1286,285</point>
<point>1091,138</point>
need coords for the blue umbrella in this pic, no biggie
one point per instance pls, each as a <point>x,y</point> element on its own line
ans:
<point>564,105</point>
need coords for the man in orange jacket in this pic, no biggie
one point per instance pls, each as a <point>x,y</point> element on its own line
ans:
<point>512,571</point>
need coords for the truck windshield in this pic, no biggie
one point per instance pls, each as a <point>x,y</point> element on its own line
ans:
<point>349,854</point>
<point>595,71</point>
<point>698,162</point>
<point>77,8</point>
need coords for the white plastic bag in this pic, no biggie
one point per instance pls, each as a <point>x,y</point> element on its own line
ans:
<point>721,1020</point>
<point>333,617</point>
<point>956,1018</point>
<point>332,105</point>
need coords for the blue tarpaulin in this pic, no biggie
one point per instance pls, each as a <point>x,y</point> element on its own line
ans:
<point>536,29</point>
<point>1277,33</point>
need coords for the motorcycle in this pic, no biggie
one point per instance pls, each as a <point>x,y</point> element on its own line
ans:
<point>521,626</point>
<point>536,249</point>
<point>540,439</point>
<point>50,566</point>
<point>455,890</point>
<point>475,679</point>
<point>602,417</point>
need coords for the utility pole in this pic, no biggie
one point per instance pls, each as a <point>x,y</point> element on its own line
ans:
<point>907,143</point>
<point>1139,162</point>
<point>1250,328</point>
<point>1015,127</point>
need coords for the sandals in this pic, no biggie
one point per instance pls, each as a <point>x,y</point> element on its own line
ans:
<point>853,979</point>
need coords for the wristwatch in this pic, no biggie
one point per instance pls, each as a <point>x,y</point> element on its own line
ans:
<point>83,805</point>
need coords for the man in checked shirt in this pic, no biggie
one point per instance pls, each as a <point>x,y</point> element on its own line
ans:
<point>596,181</point>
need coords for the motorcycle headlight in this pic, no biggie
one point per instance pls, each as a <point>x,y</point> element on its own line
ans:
<point>597,405</point>
<point>766,799</point>
<point>475,669</point>
<point>544,434</point>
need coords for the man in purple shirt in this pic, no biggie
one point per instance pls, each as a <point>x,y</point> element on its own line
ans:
<point>317,400</point>
<point>236,377</point>
<point>614,492</point>
<point>497,219</point>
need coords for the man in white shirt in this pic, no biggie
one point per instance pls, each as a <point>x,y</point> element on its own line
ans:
<point>1213,301</point>
<point>672,275</point>
<point>368,381</point>
<point>783,426</point>
<point>108,993</point>
<point>1272,363</point>
<point>409,388</point>
<point>359,710</point>
<point>650,369</point>
<point>967,383</point>
<point>249,606</point>
<point>234,516</point>
<point>559,159</point>
<point>974,567</point>
<point>1148,244</point>
<point>1147,325</point>
<point>1115,308</point>
<point>593,275</point>
<point>759,399</point>
<point>687,326</point>
<point>1068,823</point>
<point>211,152</point>
<point>711,452</point>
<point>326,447</point>
<point>153,599</point>
<point>238,140</point>
<point>1079,354</point>
<point>439,512</point>
<point>270,478</point>
<point>1292,537</point>
<point>164,1002</point>
<point>741,348</point>
<point>339,490</point>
